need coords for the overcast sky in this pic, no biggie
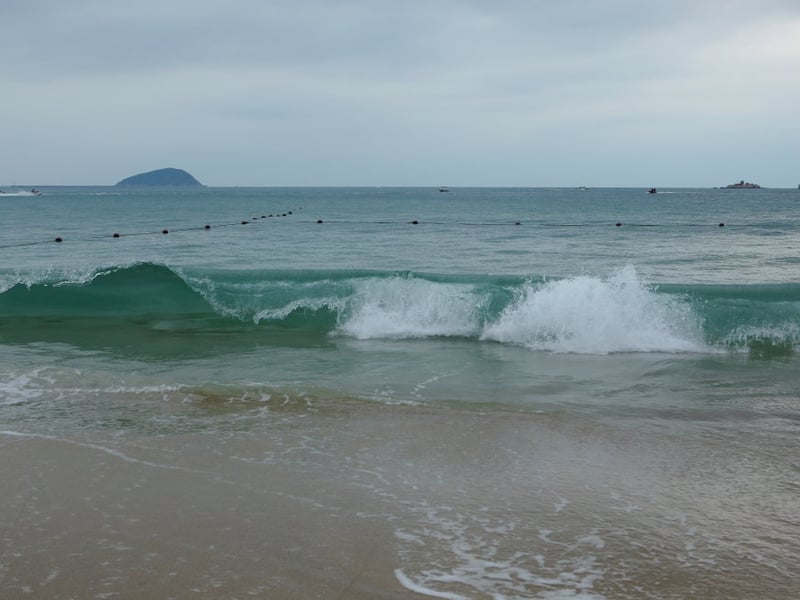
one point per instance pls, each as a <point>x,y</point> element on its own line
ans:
<point>402,92</point>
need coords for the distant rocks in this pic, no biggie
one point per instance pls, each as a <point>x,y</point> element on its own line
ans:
<point>743,185</point>
<point>161,178</point>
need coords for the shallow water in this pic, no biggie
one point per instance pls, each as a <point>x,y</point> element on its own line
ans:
<point>465,407</point>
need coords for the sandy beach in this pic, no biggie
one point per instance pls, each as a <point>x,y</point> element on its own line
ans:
<point>372,501</point>
<point>81,521</point>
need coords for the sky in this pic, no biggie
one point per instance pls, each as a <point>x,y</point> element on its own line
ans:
<point>683,93</point>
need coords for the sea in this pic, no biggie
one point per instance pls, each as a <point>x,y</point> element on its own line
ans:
<point>458,393</point>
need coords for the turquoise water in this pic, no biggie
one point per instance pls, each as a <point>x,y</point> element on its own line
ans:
<point>670,237</point>
<point>663,329</point>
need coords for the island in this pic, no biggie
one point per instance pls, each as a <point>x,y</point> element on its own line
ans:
<point>743,185</point>
<point>161,178</point>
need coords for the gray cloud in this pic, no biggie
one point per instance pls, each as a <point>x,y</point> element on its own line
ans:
<point>612,92</point>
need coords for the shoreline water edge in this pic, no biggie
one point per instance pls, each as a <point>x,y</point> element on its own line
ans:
<point>528,393</point>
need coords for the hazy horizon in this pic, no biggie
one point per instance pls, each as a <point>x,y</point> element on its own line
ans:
<point>694,93</point>
<point>26,186</point>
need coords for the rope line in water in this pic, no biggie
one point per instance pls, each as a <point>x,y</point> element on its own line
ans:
<point>518,223</point>
<point>208,227</point>
<point>59,239</point>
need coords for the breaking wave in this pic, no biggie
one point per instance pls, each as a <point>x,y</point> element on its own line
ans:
<point>595,315</point>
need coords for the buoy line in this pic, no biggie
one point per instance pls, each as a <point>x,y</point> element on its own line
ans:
<point>119,234</point>
<point>319,221</point>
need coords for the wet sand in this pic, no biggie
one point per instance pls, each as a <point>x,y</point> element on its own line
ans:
<point>81,522</point>
<point>373,501</point>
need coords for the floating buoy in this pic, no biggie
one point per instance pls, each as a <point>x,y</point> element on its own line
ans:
<point>618,225</point>
<point>517,223</point>
<point>165,231</point>
<point>319,220</point>
<point>415,222</point>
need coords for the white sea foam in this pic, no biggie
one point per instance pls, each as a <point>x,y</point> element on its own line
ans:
<point>22,387</point>
<point>460,555</point>
<point>590,315</point>
<point>407,308</point>
<point>598,316</point>
<point>410,584</point>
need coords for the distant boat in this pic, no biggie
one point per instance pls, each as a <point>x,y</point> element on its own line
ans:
<point>443,189</point>
<point>652,191</point>
<point>31,192</point>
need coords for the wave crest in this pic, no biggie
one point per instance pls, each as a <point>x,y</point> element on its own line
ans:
<point>403,307</point>
<point>585,314</point>
<point>598,316</point>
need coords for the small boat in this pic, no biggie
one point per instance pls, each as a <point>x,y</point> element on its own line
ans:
<point>18,192</point>
<point>443,189</point>
<point>652,191</point>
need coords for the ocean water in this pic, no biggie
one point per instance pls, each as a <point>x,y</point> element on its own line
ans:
<point>485,393</point>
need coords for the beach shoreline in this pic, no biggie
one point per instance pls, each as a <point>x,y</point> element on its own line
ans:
<point>81,521</point>
<point>363,500</point>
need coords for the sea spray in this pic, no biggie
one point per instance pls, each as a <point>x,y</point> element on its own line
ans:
<point>597,316</point>
<point>621,312</point>
<point>403,307</point>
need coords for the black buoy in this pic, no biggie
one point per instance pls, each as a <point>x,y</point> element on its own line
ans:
<point>207,227</point>
<point>517,223</point>
<point>244,222</point>
<point>59,240</point>
<point>618,225</point>
<point>722,224</point>
<point>165,231</point>
<point>116,235</point>
<point>290,212</point>
<point>415,222</point>
<point>319,220</point>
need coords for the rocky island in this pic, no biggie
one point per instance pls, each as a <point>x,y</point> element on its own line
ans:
<point>161,178</point>
<point>743,185</point>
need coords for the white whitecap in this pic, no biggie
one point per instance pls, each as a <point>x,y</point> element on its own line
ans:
<point>594,315</point>
<point>411,308</point>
